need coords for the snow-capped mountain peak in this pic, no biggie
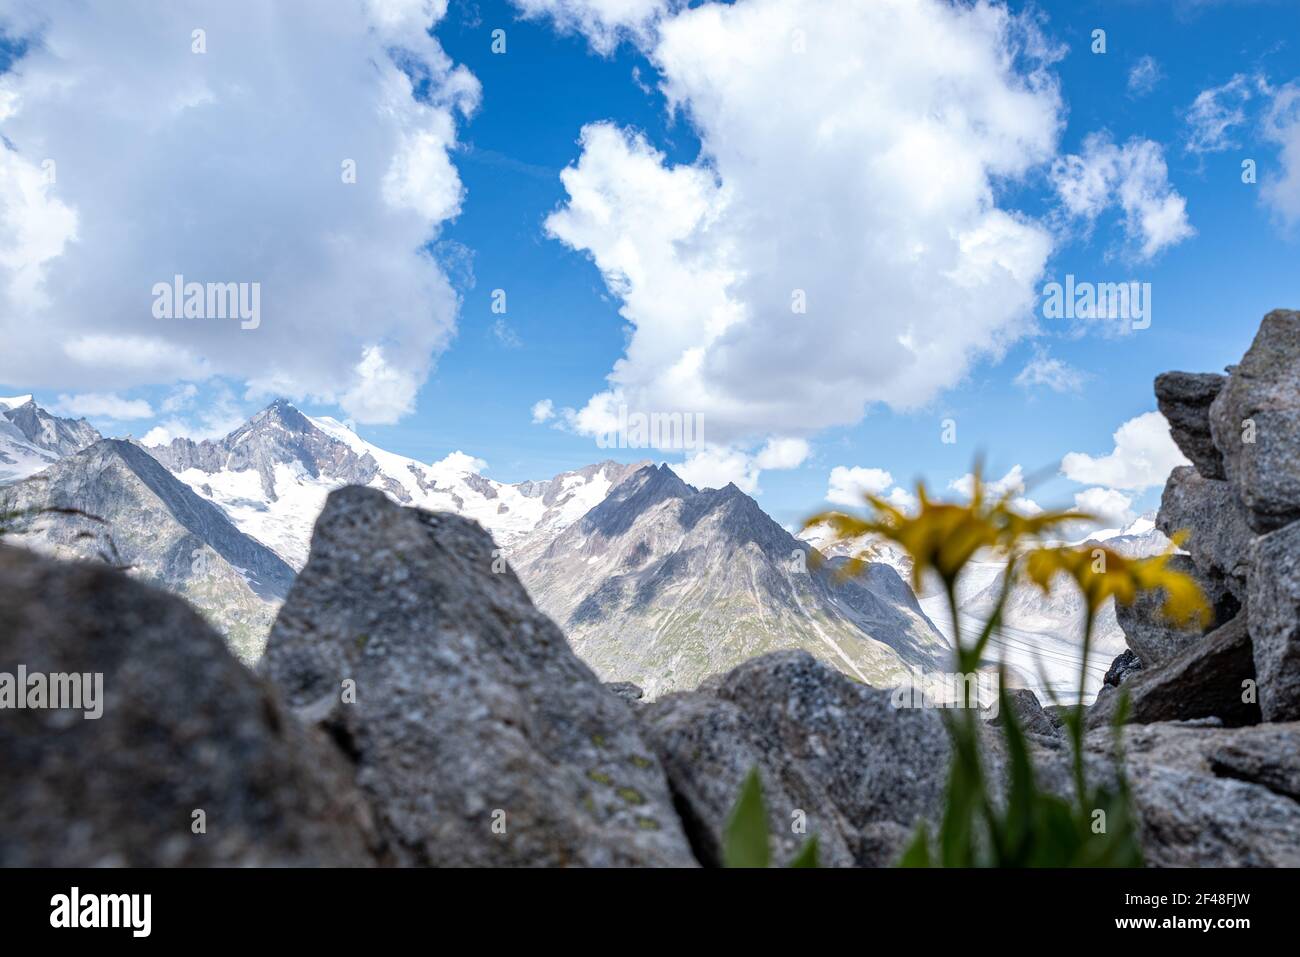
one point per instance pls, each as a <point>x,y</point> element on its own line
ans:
<point>272,474</point>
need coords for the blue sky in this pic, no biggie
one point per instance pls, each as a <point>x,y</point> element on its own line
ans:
<point>562,332</point>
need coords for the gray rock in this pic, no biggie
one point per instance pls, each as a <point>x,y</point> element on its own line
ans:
<point>470,708</point>
<point>1184,400</point>
<point>837,750</point>
<point>1275,621</point>
<point>1261,402</point>
<point>1193,811</point>
<point>1125,666</point>
<point>1029,710</point>
<point>184,727</point>
<point>625,690</point>
<point>1205,679</point>
<point>1267,754</point>
<point>1152,636</point>
<point>1218,526</point>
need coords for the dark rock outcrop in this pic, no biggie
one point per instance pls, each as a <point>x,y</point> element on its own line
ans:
<point>830,751</point>
<point>184,728</point>
<point>477,734</point>
<point>1206,679</point>
<point>1149,632</point>
<point>1125,666</point>
<point>1029,711</point>
<point>1255,422</point>
<point>1218,527</point>
<point>1209,796</point>
<point>1184,400</point>
<point>1275,621</point>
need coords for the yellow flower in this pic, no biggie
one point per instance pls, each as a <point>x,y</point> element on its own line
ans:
<point>941,536</point>
<point>1102,573</point>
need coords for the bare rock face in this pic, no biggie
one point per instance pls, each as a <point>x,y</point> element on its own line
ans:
<point>861,771</point>
<point>1211,796</point>
<point>1184,400</point>
<point>1029,711</point>
<point>1152,636</point>
<point>1205,679</point>
<point>1218,527</point>
<point>477,734</point>
<point>184,728</point>
<point>1275,621</point>
<point>1255,423</point>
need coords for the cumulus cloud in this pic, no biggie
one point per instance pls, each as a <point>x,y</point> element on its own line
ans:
<point>1143,457</point>
<point>209,413</point>
<point>850,485</point>
<point>1109,507</point>
<point>1132,177</point>
<point>1046,371</point>
<point>714,466</point>
<point>717,467</point>
<point>1143,76</point>
<point>864,236</point>
<point>1012,485</point>
<point>782,454</point>
<point>230,165</point>
<point>103,405</point>
<point>605,23</point>
<point>460,463</point>
<point>1281,125</point>
<point>1216,113</point>
<point>543,411</point>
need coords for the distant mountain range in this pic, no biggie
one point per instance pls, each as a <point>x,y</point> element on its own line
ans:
<point>653,580</point>
<point>31,439</point>
<point>138,515</point>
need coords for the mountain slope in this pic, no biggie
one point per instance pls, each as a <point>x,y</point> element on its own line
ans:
<point>161,529</point>
<point>31,438</point>
<point>664,585</point>
<point>272,474</point>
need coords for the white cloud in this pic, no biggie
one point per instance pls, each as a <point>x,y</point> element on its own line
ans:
<point>877,209</point>
<point>103,405</point>
<point>1011,485</point>
<point>381,392</point>
<point>1049,372</point>
<point>1133,177</point>
<point>1110,507</point>
<point>1281,125</point>
<point>1143,457</point>
<point>782,454</point>
<point>715,465</point>
<point>604,22</point>
<point>1216,113</point>
<point>460,463</point>
<point>228,166</point>
<point>849,486</point>
<point>543,411</point>
<point>1143,77</point>
<point>215,415</point>
<point>505,335</point>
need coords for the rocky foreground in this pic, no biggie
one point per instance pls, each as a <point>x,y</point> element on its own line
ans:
<point>414,708</point>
